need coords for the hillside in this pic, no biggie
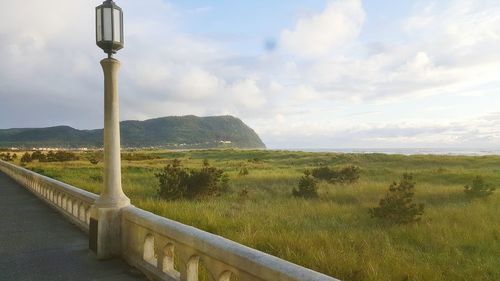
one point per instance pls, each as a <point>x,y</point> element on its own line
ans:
<point>168,132</point>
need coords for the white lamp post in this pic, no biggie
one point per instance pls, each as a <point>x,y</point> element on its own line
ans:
<point>104,230</point>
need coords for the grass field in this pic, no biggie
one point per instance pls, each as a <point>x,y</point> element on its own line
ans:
<point>457,239</point>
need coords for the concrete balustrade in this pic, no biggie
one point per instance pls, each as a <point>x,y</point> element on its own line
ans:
<point>164,249</point>
<point>152,243</point>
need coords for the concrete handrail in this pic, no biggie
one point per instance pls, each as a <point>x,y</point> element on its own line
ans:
<point>150,241</point>
<point>72,202</point>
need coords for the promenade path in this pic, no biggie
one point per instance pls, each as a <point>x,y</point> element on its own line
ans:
<point>38,244</point>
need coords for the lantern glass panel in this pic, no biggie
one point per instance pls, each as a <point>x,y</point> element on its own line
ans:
<point>99,25</point>
<point>108,24</point>
<point>117,25</point>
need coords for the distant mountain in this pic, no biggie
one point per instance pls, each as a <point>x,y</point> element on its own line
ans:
<point>167,132</point>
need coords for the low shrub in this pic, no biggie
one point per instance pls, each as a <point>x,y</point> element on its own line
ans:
<point>38,155</point>
<point>478,188</point>
<point>26,158</point>
<point>307,186</point>
<point>7,156</point>
<point>323,173</point>
<point>208,181</point>
<point>177,182</point>
<point>94,157</point>
<point>397,206</point>
<point>172,181</point>
<point>346,175</point>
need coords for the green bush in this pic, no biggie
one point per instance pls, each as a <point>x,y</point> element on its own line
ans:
<point>173,181</point>
<point>346,175</point>
<point>478,188</point>
<point>397,206</point>
<point>177,182</point>
<point>7,156</point>
<point>94,157</point>
<point>62,156</point>
<point>323,173</point>
<point>38,155</point>
<point>208,181</point>
<point>26,158</point>
<point>307,186</point>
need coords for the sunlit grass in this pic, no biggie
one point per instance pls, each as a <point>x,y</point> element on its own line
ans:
<point>457,239</point>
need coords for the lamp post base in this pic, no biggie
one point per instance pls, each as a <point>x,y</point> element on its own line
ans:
<point>105,232</point>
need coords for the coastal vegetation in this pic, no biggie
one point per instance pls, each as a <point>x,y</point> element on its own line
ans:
<point>398,206</point>
<point>8,156</point>
<point>307,186</point>
<point>177,182</point>
<point>333,231</point>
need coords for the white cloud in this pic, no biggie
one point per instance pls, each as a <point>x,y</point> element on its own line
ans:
<point>323,66</point>
<point>197,83</point>
<point>477,132</point>
<point>320,34</point>
<point>247,94</point>
<point>448,49</point>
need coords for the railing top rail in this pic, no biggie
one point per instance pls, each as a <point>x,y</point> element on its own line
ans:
<point>219,248</point>
<point>80,194</point>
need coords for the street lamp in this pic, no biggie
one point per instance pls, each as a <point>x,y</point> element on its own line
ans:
<point>109,27</point>
<point>104,225</point>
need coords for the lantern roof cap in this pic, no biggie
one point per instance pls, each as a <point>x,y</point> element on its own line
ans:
<point>109,4</point>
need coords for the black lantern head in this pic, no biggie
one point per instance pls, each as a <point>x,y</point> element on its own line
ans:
<point>109,27</point>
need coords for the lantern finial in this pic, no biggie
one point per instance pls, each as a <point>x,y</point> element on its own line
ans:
<point>109,27</point>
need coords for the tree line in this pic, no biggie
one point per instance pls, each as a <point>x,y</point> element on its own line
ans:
<point>51,156</point>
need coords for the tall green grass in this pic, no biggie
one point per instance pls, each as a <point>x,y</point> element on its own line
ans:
<point>457,239</point>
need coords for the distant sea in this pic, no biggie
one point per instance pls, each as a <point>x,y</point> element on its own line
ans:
<point>406,151</point>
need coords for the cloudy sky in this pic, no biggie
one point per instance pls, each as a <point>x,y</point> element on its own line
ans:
<point>303,74</point>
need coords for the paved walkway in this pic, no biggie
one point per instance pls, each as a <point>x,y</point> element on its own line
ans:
<point>38,244</point>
